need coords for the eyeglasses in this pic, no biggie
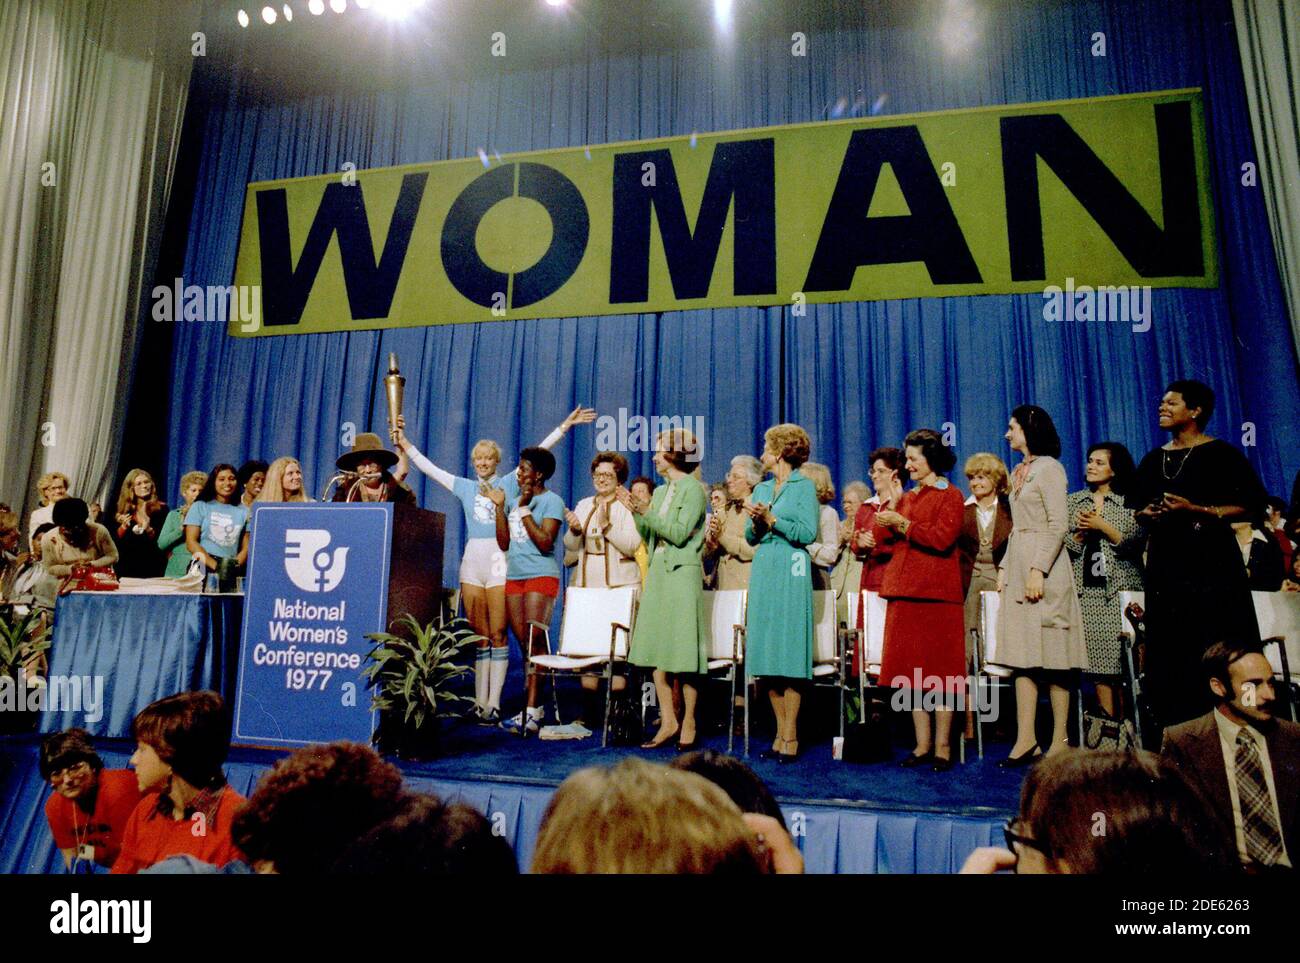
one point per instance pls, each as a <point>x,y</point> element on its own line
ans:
<point>608,475</point>
<point>75,769</point>
<point>1012,837</point>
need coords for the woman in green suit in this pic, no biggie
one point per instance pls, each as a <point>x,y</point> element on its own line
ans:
<point>783,515</point>
<point>668,636</point>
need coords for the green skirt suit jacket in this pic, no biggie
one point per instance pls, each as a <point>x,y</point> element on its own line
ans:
<point>669,633</point>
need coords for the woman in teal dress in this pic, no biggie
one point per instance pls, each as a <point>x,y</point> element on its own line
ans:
<point>783,514</point>
<point>668,637</point>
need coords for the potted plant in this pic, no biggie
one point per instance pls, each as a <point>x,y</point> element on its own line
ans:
<point>413,674</point>
<point>23,642</point>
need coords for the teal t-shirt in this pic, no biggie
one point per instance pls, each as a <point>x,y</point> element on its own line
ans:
<point>525,559</point>
<point>221,527</point>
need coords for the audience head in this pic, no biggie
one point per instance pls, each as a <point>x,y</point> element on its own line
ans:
<point>608,472</point>
<point>1109,461</point>
<point>137,487</point>
<point>1089,812</point>
<point>41,531</point>
<point>252,476</point>
<point>8,530</point>
<point>886,468</point>
<point>283,482</point>
<point>927,453</point>
<point>52,486</point>
<point>222,485</point>
<point>1276,511</point>
<point>718,498</point>
<point>1184,401</point>
<point>642,487</point>
<point>785,442</point>
<point>70,515</point>
<point>678,448</point>
<point>187,734</point>
<point>485,456</point>
<point>987,474</point>
<point>821,479</point>
<point>191,484</point>
<point>1030,430</point>
<point>70,764</point>
<point>427,837</point>
<point>853,497</point>
<point>315,803</point>
<point>1241,679</point>
<point>640,817</point>
<point>537,463</point>
<point>746,472</point>
<point>737,780</point>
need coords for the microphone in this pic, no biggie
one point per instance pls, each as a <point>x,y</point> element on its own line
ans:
<point>341,476</point>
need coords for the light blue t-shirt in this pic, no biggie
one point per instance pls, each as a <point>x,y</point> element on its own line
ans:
<point>220,527</point>
<point>525,559</point>
<point>480,513</point>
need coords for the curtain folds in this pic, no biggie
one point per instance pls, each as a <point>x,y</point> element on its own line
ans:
<point>95,94</point>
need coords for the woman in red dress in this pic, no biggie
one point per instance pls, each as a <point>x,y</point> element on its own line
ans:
<point>873,543</point>
<point>924,624</point>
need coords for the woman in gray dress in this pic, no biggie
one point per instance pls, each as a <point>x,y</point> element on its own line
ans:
<point>1106,546</point>
<point>1040,626</point>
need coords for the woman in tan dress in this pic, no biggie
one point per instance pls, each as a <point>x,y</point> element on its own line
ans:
<point>1040,626</point>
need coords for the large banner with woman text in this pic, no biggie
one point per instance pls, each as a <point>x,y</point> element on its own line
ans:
<point>1110,192</point>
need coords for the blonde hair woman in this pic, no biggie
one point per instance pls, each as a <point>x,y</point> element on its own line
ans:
<point>171,540</point>
<point>483,566</point>
<point>825,550</point>
<point>51,486</point>
<point>139,519</point>
<point>283,482</point>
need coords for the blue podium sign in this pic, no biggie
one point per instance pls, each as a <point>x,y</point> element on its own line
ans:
<point>317,584</point>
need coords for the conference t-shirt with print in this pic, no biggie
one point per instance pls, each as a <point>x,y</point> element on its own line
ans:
<point>480,512</point>
<point>220,527</point>
<point>525,560</point>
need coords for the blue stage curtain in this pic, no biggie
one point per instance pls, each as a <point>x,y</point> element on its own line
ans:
<point>857,375</point>
<point>832,839</point>
<point>144,647</point>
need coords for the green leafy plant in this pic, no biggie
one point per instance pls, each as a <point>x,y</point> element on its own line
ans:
<point>413,674</point>
<point>23,641</point>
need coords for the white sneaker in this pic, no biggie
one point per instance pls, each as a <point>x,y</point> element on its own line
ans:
<point>535,718</point>
<point>574,730</point>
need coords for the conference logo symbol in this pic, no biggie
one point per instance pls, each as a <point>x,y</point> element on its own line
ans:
<point>309,563</point>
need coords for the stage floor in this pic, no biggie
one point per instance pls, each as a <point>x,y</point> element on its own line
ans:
<point>846,818</point>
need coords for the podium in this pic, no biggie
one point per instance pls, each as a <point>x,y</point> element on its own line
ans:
<point>321,577</point>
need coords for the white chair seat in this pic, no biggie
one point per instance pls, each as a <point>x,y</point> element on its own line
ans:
<point>1001,671</point>
<point>719,664</point>
<point>569,662</point>
<point>823,670</point>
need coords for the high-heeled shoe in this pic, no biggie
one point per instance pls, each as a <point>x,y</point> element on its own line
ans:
<point>1022,760</point>
<point>942,764</point>
<point>913,760</point>
<point>785,758</point>
<point>773,754</point>
<point>660,743</point>
<point>687,746</point>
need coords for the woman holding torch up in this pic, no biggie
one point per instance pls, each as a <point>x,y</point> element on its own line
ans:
<point>483,566</point>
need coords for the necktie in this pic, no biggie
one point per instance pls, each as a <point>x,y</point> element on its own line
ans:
<point>1258,823</point>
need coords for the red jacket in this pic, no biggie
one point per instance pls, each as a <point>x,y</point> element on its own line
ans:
<point>925,563</point>
<point>874,560</point>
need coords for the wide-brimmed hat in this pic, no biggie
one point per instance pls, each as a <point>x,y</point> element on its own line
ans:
<point>368,447</point>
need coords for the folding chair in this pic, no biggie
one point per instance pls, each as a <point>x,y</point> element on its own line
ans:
<point>873,608</point>
<point>725,613</point>
<point>1278,614</point>
<point>987,669</point>
<point>596,631</point>
<point>828,654</point>
<point>1130,639</point>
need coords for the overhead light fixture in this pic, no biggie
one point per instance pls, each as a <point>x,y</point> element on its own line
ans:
<point>556,3</point>
<point>338,6</point>
<point>317,7</point>
<point>268,14</point>
<point>363,4</point>
<point>242,17</point>
<point>288,13</point>
<point>722,10</point>
<point>396,9</point>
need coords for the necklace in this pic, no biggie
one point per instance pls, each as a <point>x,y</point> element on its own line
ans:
<point>1164,462</point>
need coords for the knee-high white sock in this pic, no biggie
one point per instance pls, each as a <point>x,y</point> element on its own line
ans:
<point>481,672</point>
<point>498,664</point>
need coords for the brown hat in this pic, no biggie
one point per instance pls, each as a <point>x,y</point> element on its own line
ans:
<point>368,447</point>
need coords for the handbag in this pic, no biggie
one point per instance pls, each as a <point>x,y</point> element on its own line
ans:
<point>868,741</point>
<point>90,578</point>
<point>624,720</point>
<point>1101,731</point>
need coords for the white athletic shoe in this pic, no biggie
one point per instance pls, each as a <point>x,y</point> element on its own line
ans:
<point>535,719</point>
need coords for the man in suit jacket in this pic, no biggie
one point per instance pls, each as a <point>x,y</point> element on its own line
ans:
<point>1243,761</point>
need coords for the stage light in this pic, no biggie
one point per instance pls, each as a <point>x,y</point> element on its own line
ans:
<point>317,7</point>
<point>242,17</point>
<point>556,3</point>
<point>288,13</point>
<point>363,4</point>
<point>959,28</point>
<point>268,14</point>
<point>396,9</point>
<point>722,10</point>
<point>338,6</point>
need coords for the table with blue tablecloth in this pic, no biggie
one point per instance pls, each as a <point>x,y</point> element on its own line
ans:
<point>143,647</point>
